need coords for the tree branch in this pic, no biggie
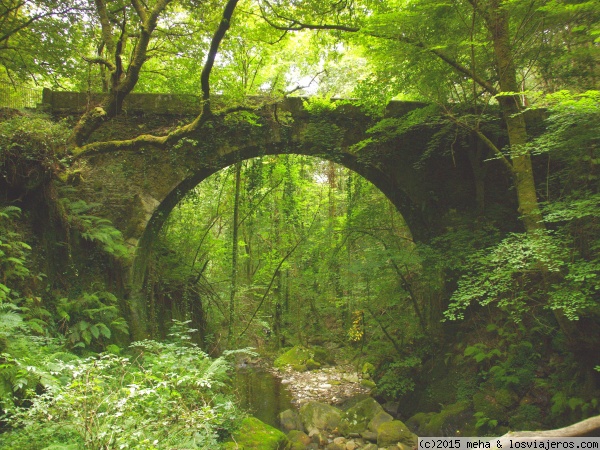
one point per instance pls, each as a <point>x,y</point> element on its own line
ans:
<point>96,148</point>
<point>295,25</point>
<point>587,427</point>
<point>212,53</point>
<point>101,61</point>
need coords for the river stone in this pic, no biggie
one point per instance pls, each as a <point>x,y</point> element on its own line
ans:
<point>370,436</point>
<point>320,416</point>
<point>370,447</point>
<point>296,356</point>
<point>357,418</point>
<point>258,435</point>
<point>351,445</point>
<point>378,419</point>
<point>299,440</point>
<point>390,433</point>
<point>290,420</point>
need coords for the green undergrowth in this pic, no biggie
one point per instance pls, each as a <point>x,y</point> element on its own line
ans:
<point>168,393</point>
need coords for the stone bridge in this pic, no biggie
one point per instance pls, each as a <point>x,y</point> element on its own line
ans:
<point>138,190</point>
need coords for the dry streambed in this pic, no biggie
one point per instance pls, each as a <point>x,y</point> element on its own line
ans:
<point>331,385</point>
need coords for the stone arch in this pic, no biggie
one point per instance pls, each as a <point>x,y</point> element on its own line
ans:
<point>375,175</point>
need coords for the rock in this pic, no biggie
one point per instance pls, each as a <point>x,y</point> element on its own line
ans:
<point>290,420</point>
<point>368,383</point>
<point>357,417</point>
<point>296,356</point>
<point>391,408</point>
<point>351,445</point>
<point>334,446</point>
<point>351,378</point>
<point>311,364</point>
<point>299,439</point>
<point>390,433</point>
<point>457,416</point>
<point>317,437</point>
<point>340,440</point>
<point>257,435</point>
<point>321,416</point>
<point>370,436</point>
<point>419,422</point>
<point>378,419</point>
<point>370,447</point>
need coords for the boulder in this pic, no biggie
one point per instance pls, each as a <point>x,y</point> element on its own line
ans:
<point>370,436</point>
<point>296,356</point>
<point>394,432</point>
<point>457,416</point>
<point>351,445</point>
<point>356,419</point>
<point>317,437</point>
<point>368,383</point>
<point>299,440</point>
<point>378,419</point>
<point>311,364</point>
<point>339,443</point>
<point>257,435</point>
<point>290,420</point>
<point>320,416</point>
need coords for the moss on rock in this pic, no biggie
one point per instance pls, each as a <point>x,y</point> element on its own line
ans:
<point>394,432</point>
<point>296,356</point>
<point>357,418</point>
<point>457,416</point>
<point>256,435</point>
<point>321,416</point>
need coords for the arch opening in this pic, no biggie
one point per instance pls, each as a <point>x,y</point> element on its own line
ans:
<point>318,211</point>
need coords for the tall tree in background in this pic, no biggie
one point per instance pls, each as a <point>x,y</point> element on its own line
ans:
<point>413,44</point>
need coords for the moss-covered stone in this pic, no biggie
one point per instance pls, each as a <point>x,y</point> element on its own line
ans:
<point>357,418</point>
<point>368,383</point>
<point>256,435</point>
<point>449,420</point>
<point>311,364</point>
<point>419,422</point>
<point>379,419</point>
<point>394,432</point>
<point>296,356</point>
<point>319,416</point>
<point>290,420</point>
<point>299,440</point>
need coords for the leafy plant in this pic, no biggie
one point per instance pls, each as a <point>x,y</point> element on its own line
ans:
<point>94,228</point>
<point>172,395</point>
<point>90,318</point>
<point>398,377</point>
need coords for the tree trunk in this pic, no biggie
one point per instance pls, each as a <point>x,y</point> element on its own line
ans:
<point>497,20</point>
<point>234,251</point>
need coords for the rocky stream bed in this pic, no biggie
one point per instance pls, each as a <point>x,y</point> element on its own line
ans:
<point>331,410</point>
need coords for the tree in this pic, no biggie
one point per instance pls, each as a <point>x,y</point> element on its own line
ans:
<point>479,40</point>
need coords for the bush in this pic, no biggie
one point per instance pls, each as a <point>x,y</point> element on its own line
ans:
<point>171,393</point>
